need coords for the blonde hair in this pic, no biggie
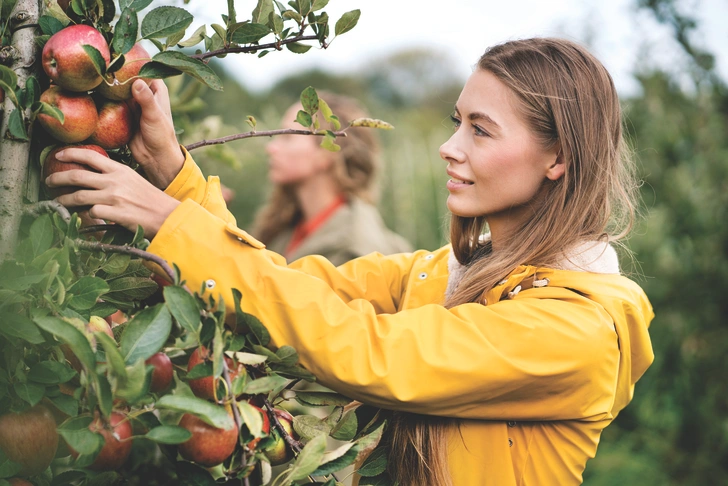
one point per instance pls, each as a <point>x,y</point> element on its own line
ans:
<point>568,99</point>
<point>354,170</point>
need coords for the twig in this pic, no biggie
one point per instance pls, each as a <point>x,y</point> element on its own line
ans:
<point>38,208</point>
<point>127,250</point>
<point>273,45</point>
<point>97,227</point>
<point>267,133</point>
<point>236,413</point>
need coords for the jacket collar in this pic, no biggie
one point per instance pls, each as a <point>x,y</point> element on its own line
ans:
<point>590,256</point>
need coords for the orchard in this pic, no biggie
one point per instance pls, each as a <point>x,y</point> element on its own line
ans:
<point>112,370</point>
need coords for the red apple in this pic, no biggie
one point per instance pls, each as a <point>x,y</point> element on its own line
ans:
<point>95,324</point>
<point>205,387</point>
<point>19,482</point>
<point>115,127</point>
<point>208,446</point>
<point>162,375</point>
<point>120,81</point>
<point>279,452</point>
<point>29,439</point>
<point>67,63</point>
<point>53,165</point>
<point>79,112</point>
<point>86,221</point>
<point>117,442</point>
<point>266,428</point>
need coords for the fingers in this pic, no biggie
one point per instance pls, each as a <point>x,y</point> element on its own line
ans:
<point>161,94</point>
<point>82,198</point>
<point>154,102</point>
<point>88,157</point>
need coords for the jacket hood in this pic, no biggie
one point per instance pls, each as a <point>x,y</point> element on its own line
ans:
<point>592,270</point>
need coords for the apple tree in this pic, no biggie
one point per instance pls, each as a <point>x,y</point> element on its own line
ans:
<point>112,370</point>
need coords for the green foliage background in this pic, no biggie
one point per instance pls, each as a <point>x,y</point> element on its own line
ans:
<point>675,432</point>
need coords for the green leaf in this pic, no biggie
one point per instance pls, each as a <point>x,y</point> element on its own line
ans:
<point>136,5</point>
<point>30,392</point>
<point>146,333</point>
<point>8,468</point>
<point>193,67</point>
<point>32,86</point>
<point>16,277</point>
<point>196,37</point>
<point>321,399</point>
<point>50,372</point>
<point>113,356</point>
<point>345,429</point>
<point>65,404</point>
<point>68,334</point>
<point>96,58</point>
<point>102,387</point>
<point>19,326</point>
<point>288,355</point>
<point>50,25</point>
<point>262,11</point>
<point>116,263</point>
<point>252,418</point>
<point>249,358</point>
<point>329,143</point>
<point>310,100</point>
<point>155,70</point>
<point>249,322</point>
<point>264,384</point>
<point>371,123</point>
<point>298,48</point>
<point>86,291</point>
<point>137,383</point>
<point>210,413</point>
<point>329,115</point>
<point>48,109</point>
<point>107,10</point>
<point>191,474</point>
<point>165,21</point>
<point>318,5</point>
<point>77,434</point>
<point>249,33</point>
<point>8,78</point>
<point>16,125</point>
<point>126,289</point>
<point>309,458</point>
<point>201,370</point>
<point>183,306</point>
<point>347,21</point>
<point>375,464</point>
<point>310,426</point>
<point>169,434</point>
<point>125,32</point>
<point>7,8</point>
<point>275,22</point>
<point>303,118</point>
<point>337,459</point>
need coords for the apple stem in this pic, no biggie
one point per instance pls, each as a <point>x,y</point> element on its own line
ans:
<point>267,133</point>
<point>128,250</point>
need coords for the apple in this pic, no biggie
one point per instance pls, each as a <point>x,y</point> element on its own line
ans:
<point>79,112</point>
<point>86,221</point>
<point>53,165</point>
<point>266,428</point>
<point>29,439</point>
<point>279,452</point>
<point>117,442</point>
<point>120,81</point>
<point>162,375</point>
<point>95,324</point>
<point>205,387</point>
<point>208,446</point>
<point>66,62</point>
<point>115,127</point>
<point>19,482</point>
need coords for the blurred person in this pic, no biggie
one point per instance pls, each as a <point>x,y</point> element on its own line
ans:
<point>501,356</point>
<point>322,202</point>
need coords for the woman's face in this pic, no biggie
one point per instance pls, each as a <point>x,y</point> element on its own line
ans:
<point>295,158</point>
<point>495,164</point>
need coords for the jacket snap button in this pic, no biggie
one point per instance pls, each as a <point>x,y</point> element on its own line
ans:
<point>240,238</point>
<point>510,442</point>
<point>423,276</point>
<point>511,423</point>
<point>429,257</point>
<point>210,284</point>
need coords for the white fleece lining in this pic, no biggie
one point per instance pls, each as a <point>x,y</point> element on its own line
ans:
<point>592,256</point>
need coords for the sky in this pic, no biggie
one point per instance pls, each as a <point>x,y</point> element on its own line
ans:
<point>614,30</point>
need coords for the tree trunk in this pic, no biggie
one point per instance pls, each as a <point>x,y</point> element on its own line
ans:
<point>15,188</point>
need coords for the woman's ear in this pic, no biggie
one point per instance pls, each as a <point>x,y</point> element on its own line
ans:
<point>557,167</point>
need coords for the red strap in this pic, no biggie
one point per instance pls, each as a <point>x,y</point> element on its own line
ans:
<point>305,228</point>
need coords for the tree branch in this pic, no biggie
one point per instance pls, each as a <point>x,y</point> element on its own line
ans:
<point>236,413</point>
<point>267,133</point>
<point>127,250</point>
<point>238,49</point>
<point>36,209</point>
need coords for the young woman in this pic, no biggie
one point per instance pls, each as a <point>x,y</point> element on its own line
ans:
<point>503,355</point>
<point>322,201</point>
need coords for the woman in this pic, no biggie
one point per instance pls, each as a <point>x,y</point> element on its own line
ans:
<point>322,201</point>
<point>504,356</point>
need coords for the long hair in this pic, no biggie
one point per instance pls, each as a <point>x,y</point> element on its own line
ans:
<point>568,100</point>
<point>354,170</point>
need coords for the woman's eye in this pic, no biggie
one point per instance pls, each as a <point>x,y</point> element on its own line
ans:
<point>480,132</point>
<point>455,122</point>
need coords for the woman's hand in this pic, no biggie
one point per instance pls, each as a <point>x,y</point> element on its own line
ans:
<point>155,144</point>
<point>115,192</point>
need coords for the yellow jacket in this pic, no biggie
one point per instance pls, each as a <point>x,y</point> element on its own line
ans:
<point>535,375</point>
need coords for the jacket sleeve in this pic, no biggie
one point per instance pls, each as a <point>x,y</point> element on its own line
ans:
<point>547,358</point>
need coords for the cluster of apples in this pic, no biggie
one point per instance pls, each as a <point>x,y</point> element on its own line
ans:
<point>97,111</point>
<point>210,446</point>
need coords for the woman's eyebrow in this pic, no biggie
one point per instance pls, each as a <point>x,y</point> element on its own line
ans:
<point>482,117</point>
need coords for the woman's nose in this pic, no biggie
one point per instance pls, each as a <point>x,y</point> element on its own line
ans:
<point>450,152</point>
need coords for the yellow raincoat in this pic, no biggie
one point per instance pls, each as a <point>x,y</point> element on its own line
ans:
<point>534,376</point>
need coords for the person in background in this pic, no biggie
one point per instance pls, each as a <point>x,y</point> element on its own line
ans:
<point>322,202</point>
<point>501,356</point>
